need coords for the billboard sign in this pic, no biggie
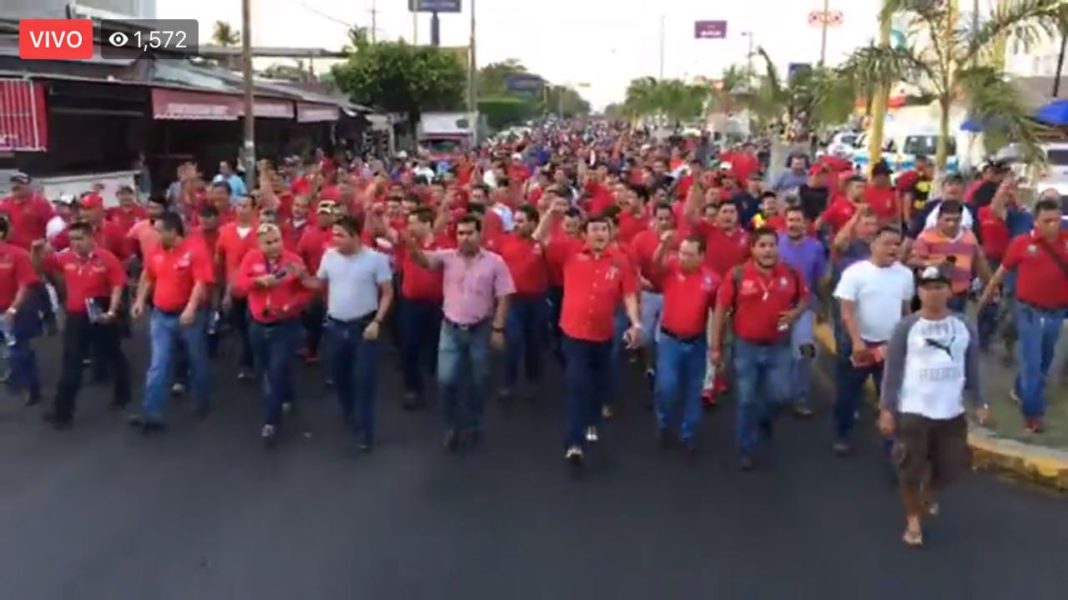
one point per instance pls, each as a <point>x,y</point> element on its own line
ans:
<point>524,83</point>
<point>709,30</point>
<point>435,6</point>
<point>795,69</point>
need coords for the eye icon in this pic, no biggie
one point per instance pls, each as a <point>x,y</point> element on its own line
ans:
<point>118,39</point>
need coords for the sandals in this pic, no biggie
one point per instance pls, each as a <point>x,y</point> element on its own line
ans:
<point>913,538</point>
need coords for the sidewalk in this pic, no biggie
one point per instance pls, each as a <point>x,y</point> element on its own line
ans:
<point>1004,446</point>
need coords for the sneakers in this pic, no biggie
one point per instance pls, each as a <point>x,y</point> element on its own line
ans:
<point>269,435</point>
<point>606,411</point>
<point>591,435</point>
<point>574,456</point>
<point>841,449</point>
<point>177,389</point>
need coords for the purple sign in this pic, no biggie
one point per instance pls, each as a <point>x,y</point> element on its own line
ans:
<point>710,30</point>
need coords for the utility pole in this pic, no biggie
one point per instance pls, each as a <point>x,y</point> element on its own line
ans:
<point>435,30</point>
<point>878,104</point>
<point>415,28</point>
<point>472,74</point>
<point>662,46</point>
<point>250,103</point>
<point>374,21</point>
<point>748,59</point>
<point>823,31</point>
<point>1060,66</point>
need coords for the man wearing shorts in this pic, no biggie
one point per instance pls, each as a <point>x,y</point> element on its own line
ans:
<point>931,360</point>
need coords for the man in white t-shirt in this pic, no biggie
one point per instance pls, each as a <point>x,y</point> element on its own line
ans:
<point>64,206</point>
<point>874,294</point>
<point>931,360</point>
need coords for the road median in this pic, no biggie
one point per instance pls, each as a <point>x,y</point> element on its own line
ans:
<point>1034,463</point>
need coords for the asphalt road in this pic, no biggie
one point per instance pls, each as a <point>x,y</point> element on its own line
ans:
<point>205,512</point>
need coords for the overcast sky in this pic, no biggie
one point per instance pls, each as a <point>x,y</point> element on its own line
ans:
<point>604,43</point>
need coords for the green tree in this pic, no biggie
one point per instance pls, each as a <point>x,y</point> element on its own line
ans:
<point>223,34</point>
<point>672,99</point>
<point>951,60</point>
<point>493,78</point>
<point>399,77</point>
<point>566,101</point>
<point>503,111</point>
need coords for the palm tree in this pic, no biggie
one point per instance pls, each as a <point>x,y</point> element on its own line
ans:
<point>673,99</point>
<point>950,61</point>
<point>223,34</point>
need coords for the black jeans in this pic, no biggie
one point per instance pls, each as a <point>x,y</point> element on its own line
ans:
<point>79,335</point>
<point>314,315</point>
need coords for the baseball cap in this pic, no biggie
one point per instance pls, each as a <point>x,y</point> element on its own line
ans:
<point>126,188</point>
<point>19,177</point>
<point>65,199</point>
<point>326,207</point>
<point>91,201</point>
<point>934,274</point>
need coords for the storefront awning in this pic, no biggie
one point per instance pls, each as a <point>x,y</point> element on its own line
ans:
<point>316,113</point>
<point>184,105</point>
<point>23,120</point>
<point>179,105</point>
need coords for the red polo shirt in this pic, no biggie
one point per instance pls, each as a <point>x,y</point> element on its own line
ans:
<point>284,300</point>
<point>231,250</point>
<point>93,276</point>
<point>630,226</point>
<point>174,272</point>
<point>525,258</point>
<point>642,249</point>
<point>419,283</point>
<point>839,213</point>
<point>687,299</point>
<point>593,288</point>
<point>883,202</point>
<point>16,271</point>
<point>313,244</point>
<point>995,232</point>
<point>759,299</point>
<point>28,219</point>
<point>559,248</point>
<point>125,219</point>
<point>1039,280</point>
<point>723,250</point>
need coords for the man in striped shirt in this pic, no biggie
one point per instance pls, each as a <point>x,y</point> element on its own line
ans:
<point>949,242</point>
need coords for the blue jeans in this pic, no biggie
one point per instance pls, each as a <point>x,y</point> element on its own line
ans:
<point>680,373</point>
<point>587,383</point>
<point>618,348</point>
<point>1039,330</point>
<point>274,348</point>
<point>803,348</point>
<point>464,373</point>
<point>22,360</point>
<point>762,386</point>
<point>420,328</point>
<point>524,334</point>
<point>652,309</point>
<point>165,332</point>
<point>354,369</point>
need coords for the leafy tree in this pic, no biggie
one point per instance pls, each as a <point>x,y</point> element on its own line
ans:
<point>493,78</point>
<point>503,111</point>
<point>399,77</point>
<point>223,34</point>
<point>673,99</point>
<point>950,59</point>
<point>565,101</point>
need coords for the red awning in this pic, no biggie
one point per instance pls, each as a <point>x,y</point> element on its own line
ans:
<point>316,113</point>
<point>270,108</point>
<point>23,120</point>
<point>180,105</point>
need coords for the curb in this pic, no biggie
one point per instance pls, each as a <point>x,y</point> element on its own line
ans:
<point>1036,464</point>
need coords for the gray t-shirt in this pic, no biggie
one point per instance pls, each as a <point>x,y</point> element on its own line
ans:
<point>353,282</point>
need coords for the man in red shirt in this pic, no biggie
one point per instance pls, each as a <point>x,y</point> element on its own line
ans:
<point>20,321</point>
<point>1040,261</point>
<point>527,321</point>
<point>107,234</point>
<point>842,208</point>
<point>561,242</point>
<point>881,196</point>
<point>682,348</point>
<point>642,251</point>
<point>127,212</point>
<point>94,280</point>
<point>27,212</point>
<point>271,277</point>
<point>236,239</point>
<point>761,299</point>
<point>596,281</point>
<point>727,244</point>
<point>420,308</point>
<point>179,275</point>
<point>314,242</point>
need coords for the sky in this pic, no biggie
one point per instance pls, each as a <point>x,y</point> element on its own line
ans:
<point>599,45</point>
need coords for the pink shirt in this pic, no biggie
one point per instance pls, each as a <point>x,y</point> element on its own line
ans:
<point>471,284</point>
<point>146,236</point>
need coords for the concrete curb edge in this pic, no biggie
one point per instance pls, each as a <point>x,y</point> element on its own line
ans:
<point>1036,464</point>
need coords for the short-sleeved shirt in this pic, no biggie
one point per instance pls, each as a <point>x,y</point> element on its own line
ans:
<point>86,277</point>
<point>758,298</point>
<point>1040,280</point>
<point>175,271</point>
<point>878,294</point>
<point>471,283</point>
<point>688,296</point>
<point>594,285</point>
<point>354,282</point>
<point>16,271</point>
